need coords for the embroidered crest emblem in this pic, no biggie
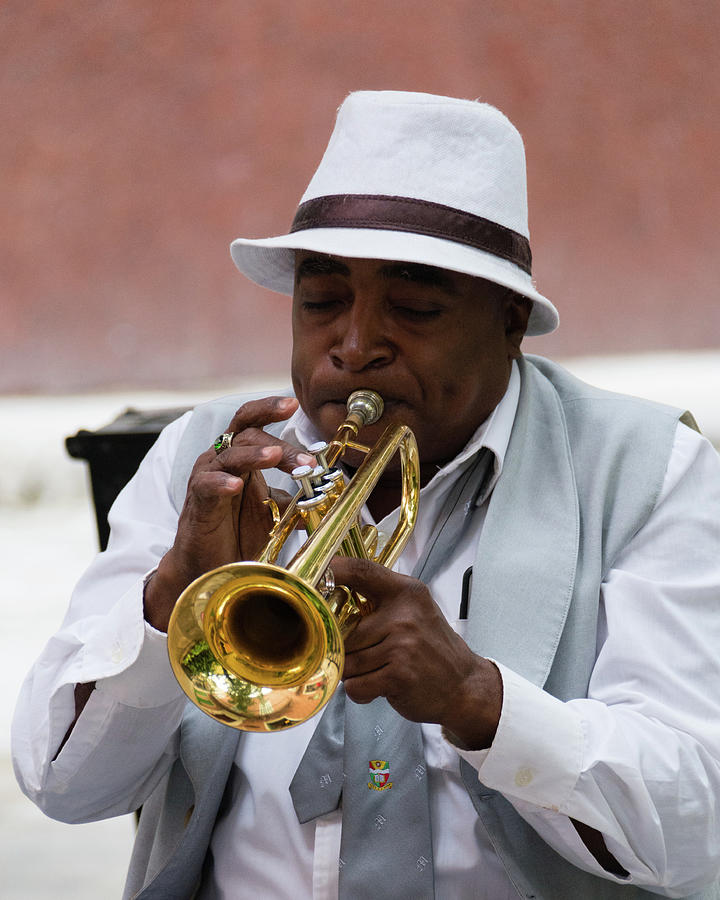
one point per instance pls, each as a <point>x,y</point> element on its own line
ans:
<point>379,775</point>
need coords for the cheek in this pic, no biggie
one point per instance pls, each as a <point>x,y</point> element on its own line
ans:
<point>482,352</point>
<point>469,382</point>
<point>310,345</point>
<point>300,373</point>
<point>305,355</point>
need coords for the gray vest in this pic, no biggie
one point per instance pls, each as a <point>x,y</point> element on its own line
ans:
<point>580,462</point>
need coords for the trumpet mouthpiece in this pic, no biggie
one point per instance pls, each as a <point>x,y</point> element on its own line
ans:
<point>366,406</point>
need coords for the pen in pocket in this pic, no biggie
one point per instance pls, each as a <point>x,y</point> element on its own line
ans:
<point>465,594</point>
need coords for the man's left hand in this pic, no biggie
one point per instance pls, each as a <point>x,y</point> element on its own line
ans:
<point>406,651</point>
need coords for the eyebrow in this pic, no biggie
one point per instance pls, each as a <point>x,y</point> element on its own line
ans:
<point>417,273</point>
<point>320,265</point>
<point>414,273</point>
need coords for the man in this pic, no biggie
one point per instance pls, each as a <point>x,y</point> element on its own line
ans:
<point>551,625</point>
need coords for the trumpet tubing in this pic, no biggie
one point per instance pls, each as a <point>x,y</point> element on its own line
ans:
<point>259,646</point>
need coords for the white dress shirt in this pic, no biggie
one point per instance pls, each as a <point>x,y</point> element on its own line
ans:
<point>639,759</point>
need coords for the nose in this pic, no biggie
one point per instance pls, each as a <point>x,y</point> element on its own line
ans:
<point>361,341</point>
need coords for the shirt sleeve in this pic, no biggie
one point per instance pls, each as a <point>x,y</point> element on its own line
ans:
<point>125,738</point>
<point>638,759</point>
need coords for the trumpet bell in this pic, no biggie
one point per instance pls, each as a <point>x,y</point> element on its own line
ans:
<point>258,648</point>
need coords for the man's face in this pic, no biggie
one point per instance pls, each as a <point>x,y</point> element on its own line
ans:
<point>436,345</point>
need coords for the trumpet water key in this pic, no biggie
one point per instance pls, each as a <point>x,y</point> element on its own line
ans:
<point>259,646</point>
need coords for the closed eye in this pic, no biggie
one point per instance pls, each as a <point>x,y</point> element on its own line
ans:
<point>319,305</point>
<point>418,314</point>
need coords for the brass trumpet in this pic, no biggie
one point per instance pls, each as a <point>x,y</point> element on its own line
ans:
<point>259,647</point>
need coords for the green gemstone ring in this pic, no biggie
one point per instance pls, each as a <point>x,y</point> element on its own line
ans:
<point>223,441</point>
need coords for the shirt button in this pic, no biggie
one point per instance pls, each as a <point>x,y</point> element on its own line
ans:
<point>523,777</point>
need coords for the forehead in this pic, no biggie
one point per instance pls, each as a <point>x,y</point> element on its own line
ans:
<point>309,265</point>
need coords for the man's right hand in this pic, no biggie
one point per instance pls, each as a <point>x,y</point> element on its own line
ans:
<point>224,518</point>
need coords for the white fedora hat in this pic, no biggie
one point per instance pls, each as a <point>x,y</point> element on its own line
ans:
<point>416,178</point>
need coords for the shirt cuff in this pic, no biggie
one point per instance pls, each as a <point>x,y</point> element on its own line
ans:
<point>149,681</point>
<point>537,753</point>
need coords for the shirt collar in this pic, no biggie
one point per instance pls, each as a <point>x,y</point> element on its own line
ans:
<point>493,433</point>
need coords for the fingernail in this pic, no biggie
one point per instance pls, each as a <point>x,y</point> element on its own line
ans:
<point>304,459</point>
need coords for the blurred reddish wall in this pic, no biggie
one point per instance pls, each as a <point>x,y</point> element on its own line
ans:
<point>139,138</point>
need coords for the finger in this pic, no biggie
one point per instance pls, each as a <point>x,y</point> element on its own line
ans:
<point>365,660</point>
<point>253,516</point>
<point>379,584</point>
<point>246,457</point>
<point>257,455</point>
<point>366,688</point>
<point>209,488</point>
<point>370,631</point>
<point>278,453</point>
<point>258,413</point>
<point>242,458</point>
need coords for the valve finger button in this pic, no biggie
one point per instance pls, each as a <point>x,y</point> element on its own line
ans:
<point>319,451</point>
<point>303,475</point>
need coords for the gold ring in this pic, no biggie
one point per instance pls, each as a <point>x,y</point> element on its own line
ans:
<point>327,583</point>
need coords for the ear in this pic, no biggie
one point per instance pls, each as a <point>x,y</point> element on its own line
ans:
<point>517,313</point>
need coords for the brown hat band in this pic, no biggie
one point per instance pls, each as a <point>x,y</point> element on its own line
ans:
<point>417,217</point>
